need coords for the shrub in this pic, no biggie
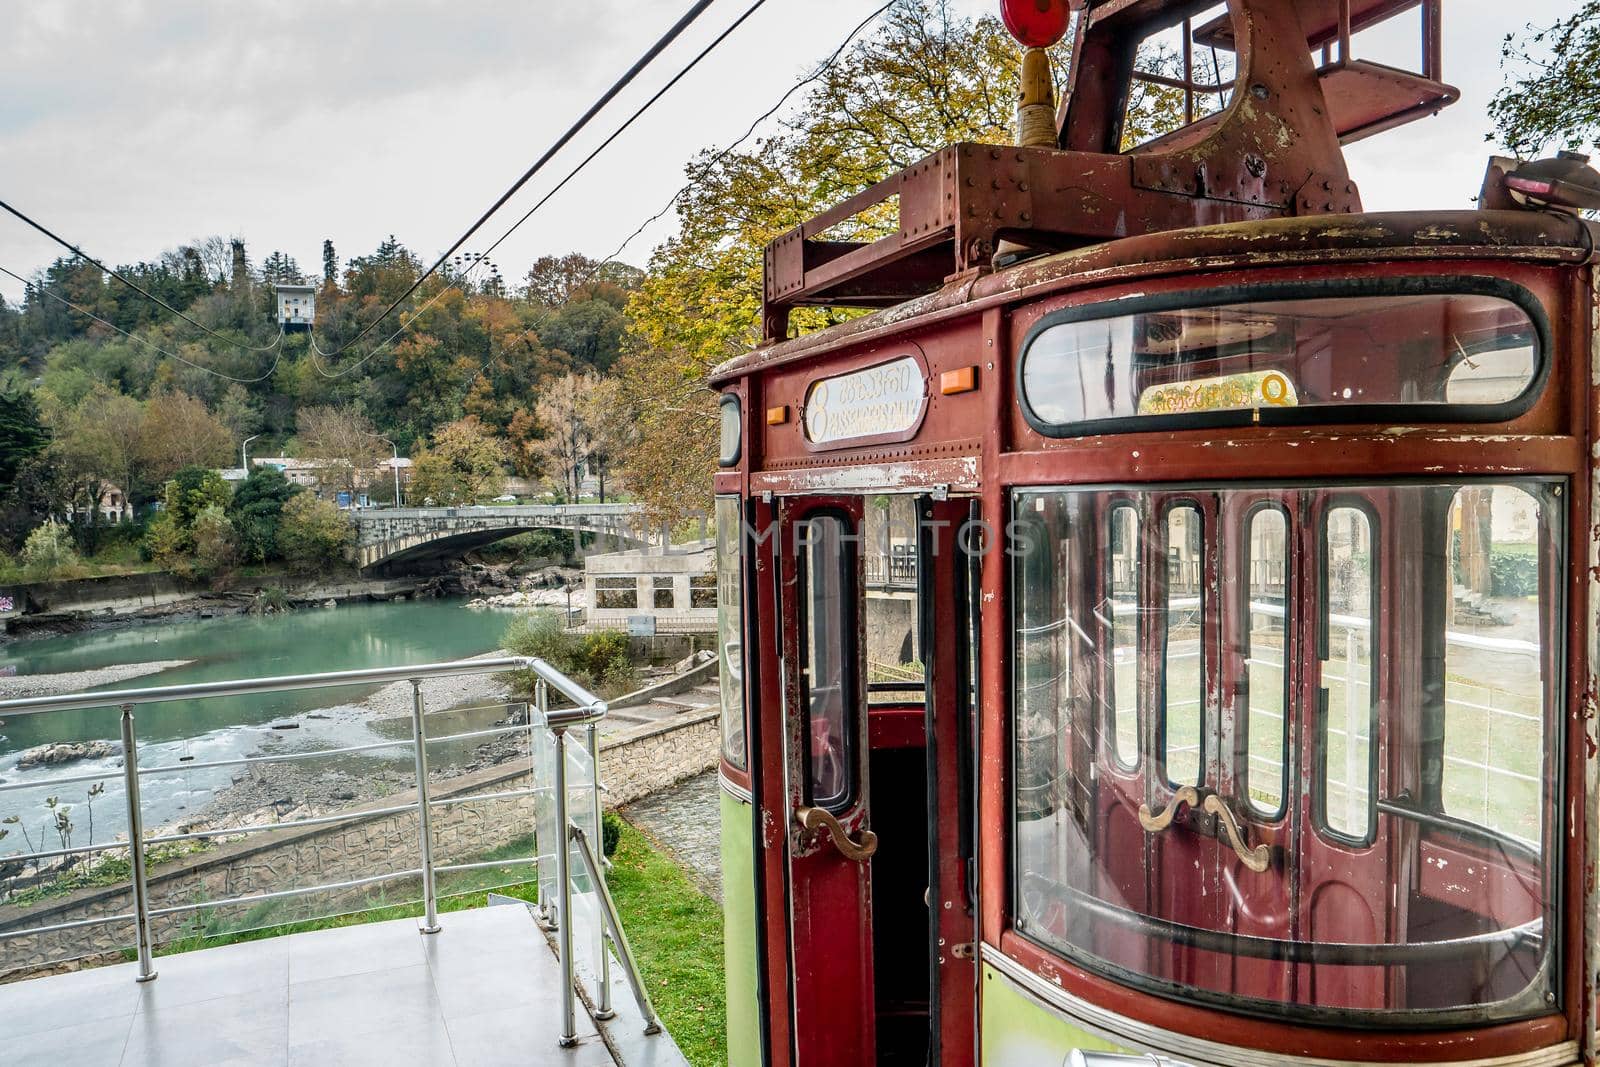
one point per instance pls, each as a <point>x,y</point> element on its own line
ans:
<point>257,511</point>
<point>168,544</point>
<point>48,550</point>
<point>610,832</point>
<point>313,535</point>
<point>1514,573</point>
<point>213,543</point>
<point>598,660</point>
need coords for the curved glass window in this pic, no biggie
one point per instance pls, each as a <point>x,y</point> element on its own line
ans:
<point>1375,828</point>
<point>730,630</point>
<point>1286,354</point>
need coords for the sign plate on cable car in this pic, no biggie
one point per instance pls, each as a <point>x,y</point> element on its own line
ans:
<point>882,402</point>
<point>1230,392</point>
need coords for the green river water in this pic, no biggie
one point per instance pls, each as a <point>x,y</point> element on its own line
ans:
<point>307,641</point>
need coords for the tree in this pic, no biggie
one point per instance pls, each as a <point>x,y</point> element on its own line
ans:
<point>1551,95</point>
<point>926,78</point>
<point>214,547</point>
<point>341,443</point>
<point>464,463</point>
<point>330,266</point>
<point>179,431</point>
<point>191,491</point>
<point>256,511</point>
<point>281,269</point>
<point>48,550</point>
<point>22,435</point>
<point>96,443</point>
<point>581,418</point>
<point>314,535</point>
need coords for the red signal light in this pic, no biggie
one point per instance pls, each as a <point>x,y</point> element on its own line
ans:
<point>1036,23</point>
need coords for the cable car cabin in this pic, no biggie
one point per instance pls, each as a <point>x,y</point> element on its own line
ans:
<point>1180,640</point>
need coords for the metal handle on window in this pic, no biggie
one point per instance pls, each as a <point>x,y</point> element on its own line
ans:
<point>816,821</point>
<point>1258,859</point>
<point>1155,822</point>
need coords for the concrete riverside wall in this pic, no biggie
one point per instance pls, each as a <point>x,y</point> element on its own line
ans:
<point>633,763</point>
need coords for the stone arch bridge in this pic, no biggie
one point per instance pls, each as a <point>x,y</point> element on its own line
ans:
<point>417,537</point>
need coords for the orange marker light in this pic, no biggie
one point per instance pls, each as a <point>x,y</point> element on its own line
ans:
<point>962,380</point>
<point>778,416</point>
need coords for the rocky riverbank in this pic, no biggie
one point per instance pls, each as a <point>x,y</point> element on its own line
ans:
<point>42,685</point>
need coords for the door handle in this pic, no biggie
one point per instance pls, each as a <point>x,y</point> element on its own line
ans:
<point>817,821</point>
<point>1257,859</point>
<point>1155,822</point>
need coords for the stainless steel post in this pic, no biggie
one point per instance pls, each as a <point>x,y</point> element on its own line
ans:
<point>141,887</point>
<point>569,1022</point>
<point>541,702</point>
<point>602,1009</point>
<point>419,740</point>
<point>608,912</point>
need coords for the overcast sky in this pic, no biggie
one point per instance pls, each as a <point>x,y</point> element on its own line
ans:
<point>132,126</point>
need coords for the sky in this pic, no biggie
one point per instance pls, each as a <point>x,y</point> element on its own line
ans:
<point>130,127</point>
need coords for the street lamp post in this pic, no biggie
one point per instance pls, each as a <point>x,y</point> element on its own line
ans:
<point>394,466</point>
<point>244,454</point>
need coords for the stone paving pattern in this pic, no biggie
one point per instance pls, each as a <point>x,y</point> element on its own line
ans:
<point>685,821</point>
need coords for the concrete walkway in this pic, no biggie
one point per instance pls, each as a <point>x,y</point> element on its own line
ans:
<point>481,992</point>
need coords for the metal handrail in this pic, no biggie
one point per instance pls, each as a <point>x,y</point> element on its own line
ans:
<point>245,687</point>
<point>586,711</point>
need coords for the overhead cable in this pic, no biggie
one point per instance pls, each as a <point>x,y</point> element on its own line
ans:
<point>704,170</point>
<point>135,286</point>
<point>154,347</point>
<point>577,127</point>
<point>573,173</point>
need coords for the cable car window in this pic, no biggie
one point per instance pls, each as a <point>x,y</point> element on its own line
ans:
<point>1450,915</point>
<point>1121,622</point>
<point>895,670</point>
<point>827,682</point>
<point>1184,681</point>
<point>1349,673</point>
<point>1266,658</point>
<point>1458,349</point>
<point>1493,653</point>
<point>730,629</point>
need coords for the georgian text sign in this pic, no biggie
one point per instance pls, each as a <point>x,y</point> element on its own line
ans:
<point>884,402</point>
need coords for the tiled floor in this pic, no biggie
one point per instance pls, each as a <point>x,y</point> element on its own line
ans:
<point>482,991</point>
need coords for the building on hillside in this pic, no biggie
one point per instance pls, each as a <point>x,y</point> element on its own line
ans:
<point>113,506</point>
<point>648,591</point>
<point>301,472</point>
<point>297,306</point>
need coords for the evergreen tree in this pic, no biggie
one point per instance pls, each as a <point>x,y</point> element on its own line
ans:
<point>330,265</point>
<point>21,435</point>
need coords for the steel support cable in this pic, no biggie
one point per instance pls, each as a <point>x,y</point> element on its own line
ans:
<point>561,142</point>
<point>702,171</point>
<point>573,173</point>
<point>135,286</point>
<point>155,347</point>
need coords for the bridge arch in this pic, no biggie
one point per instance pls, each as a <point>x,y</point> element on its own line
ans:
<point>390,538</point>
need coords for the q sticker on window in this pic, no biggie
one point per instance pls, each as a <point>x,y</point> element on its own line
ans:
<point>1231,392</point>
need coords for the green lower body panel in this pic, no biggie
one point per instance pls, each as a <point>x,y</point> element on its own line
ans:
<point>739,933</point>
<point>1018,1031</point>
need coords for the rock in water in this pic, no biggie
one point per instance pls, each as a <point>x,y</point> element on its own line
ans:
<point>67,752</point>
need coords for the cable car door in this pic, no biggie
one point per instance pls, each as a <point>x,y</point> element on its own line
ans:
<point>824,681</point>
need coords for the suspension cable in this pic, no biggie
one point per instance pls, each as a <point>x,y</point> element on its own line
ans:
<point>157,348</point>
<point>573,173</point>
<point>135,286</point>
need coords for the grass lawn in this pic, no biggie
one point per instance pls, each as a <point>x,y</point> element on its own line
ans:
<point>675,931</point>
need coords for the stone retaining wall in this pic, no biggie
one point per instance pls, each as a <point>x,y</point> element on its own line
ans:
<point>633,763</point>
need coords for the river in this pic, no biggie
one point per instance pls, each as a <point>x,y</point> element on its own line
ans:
<point>181,732</point>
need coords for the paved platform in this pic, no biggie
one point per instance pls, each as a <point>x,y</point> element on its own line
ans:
<point>483,991</point>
